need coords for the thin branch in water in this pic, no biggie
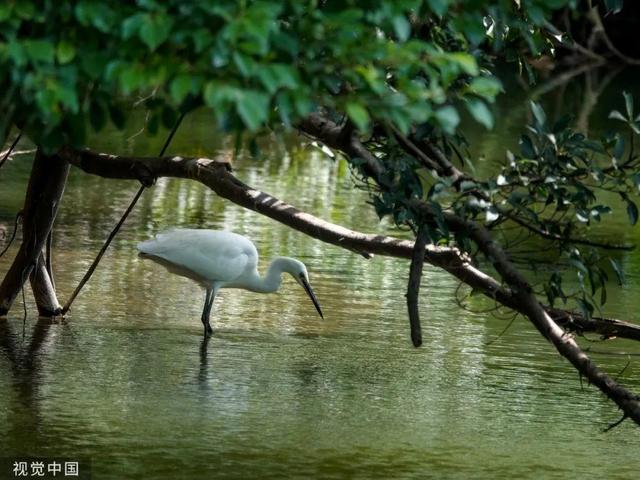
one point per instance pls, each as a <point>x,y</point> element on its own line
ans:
<point>13,235</point>
<point>116,229</point>
<point>413,288</point>
<point>613,425</point>
<point>623,370</point>
<point>490,342</point>
<point>8,152</point>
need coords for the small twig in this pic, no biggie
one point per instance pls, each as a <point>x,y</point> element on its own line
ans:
<point>623,370</point>
<point>490,342</point>
<point>8,152</point>
<point>613,425</point>
<point>413,288</point>
<point>13,235</point>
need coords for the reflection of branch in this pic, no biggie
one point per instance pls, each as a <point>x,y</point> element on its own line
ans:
<point>25,363</point>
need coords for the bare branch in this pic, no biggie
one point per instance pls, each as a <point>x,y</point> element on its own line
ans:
<point>413,288</point>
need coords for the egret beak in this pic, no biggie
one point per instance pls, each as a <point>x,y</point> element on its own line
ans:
<point>307,288</point>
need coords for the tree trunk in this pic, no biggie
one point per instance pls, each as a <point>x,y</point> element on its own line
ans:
<point>46,186</point>
<point>44,290</point>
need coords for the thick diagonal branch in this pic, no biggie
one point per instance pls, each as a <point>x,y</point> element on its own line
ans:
<point>216,176</point>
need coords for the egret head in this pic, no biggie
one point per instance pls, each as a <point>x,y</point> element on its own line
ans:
<point>299,272</point>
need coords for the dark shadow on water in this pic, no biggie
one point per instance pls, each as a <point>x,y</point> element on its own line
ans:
<point>204,362</point>
<point>26,360</point>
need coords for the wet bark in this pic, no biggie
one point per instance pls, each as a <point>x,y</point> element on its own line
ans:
<point>45,189</point>
<point>44,289</point>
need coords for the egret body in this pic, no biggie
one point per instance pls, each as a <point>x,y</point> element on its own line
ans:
<point>221,259</point>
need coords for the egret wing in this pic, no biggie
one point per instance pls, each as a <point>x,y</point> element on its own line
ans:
<point>207,254</point>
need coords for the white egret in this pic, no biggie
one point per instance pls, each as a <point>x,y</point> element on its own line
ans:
<point>221,259</point>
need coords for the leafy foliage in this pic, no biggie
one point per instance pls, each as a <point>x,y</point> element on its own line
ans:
<point>255,63</point>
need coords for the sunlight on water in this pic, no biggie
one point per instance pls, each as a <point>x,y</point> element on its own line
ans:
<point>279,392</point>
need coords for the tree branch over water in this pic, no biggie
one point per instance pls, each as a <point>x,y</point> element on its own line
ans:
<point>327,131</point>
<point>218,177</point>
<point>516,295</point>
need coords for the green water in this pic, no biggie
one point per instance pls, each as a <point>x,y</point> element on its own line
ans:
<point>126,383</point>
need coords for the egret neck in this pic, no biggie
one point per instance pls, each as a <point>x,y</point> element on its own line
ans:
<point>273,278</point>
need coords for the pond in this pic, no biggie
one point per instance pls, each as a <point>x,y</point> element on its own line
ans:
<point>126,383</point>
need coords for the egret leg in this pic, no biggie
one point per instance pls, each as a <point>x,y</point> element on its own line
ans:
<point>206,312</point>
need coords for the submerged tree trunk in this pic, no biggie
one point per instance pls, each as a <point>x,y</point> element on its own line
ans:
<point>44,290</point>
<point>46,186</point>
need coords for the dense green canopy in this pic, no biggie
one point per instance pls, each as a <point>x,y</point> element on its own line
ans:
<point>256,63</point>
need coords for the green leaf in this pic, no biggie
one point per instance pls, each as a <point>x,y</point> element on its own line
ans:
<point>439,7</point>
<point>5,11</point>
<point>358,115</point>
<point>155,29</point>
<point>618,271</point>
<point>131,26</point>
<point>466,62</point>
<point>480,112</point>
<point>17,53</point>
<point>538,113</point>
<point>131,78</point>
<point>40,50</point>
<point>253,108</point>
<point>618,149</point>
<point>219,95</point>
<point>616,115</point>
<point>276,76</point>
<point>487,87</point>
<point>614,6</point>
<point>180,87</point>
<point>628,103</point>
<point>448,118</point>
<point>402,27</point>
<point>65,52</point>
